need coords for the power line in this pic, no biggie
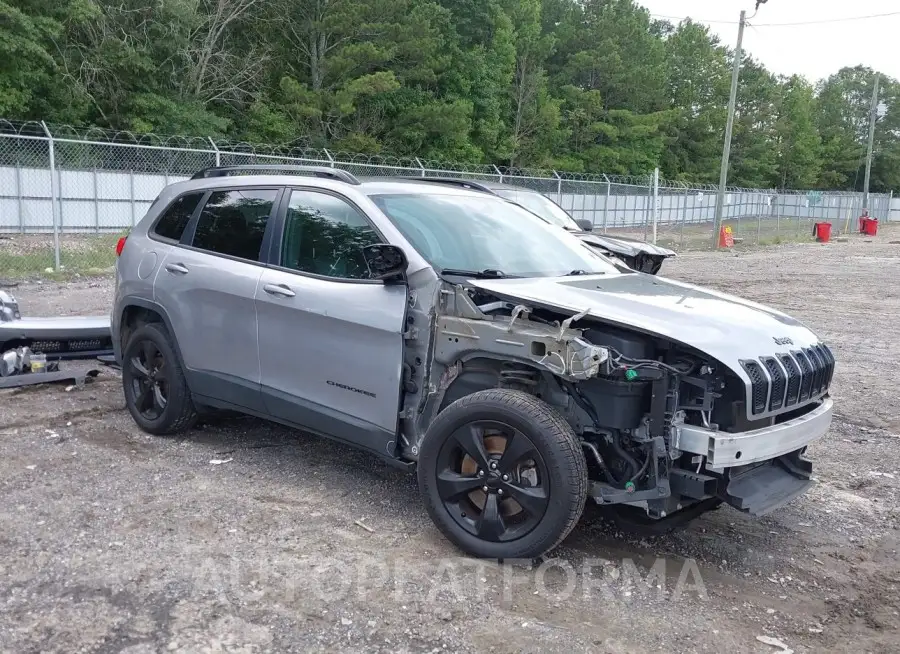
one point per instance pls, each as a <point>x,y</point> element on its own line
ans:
<point>829,20</point>
<point>799,24</point>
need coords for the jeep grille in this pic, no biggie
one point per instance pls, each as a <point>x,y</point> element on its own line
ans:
<point>789,379</point>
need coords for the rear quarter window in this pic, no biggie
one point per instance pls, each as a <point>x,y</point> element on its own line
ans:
<point>174,219</point>
<point>234,222</point>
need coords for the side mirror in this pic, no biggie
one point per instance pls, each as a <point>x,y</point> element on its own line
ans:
<point>585,224</point>
<point>386,262</point>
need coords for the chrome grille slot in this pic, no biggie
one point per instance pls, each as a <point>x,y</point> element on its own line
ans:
<point>819,371</point>
<point>830,363</point>
<point>806,369</point>
<point>759,386</point>
<point>793,380</point>
<point>778,382</point>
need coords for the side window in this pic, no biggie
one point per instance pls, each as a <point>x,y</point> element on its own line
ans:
<point>173,221</point>
<point>233,222</point>
<point>325,235</point>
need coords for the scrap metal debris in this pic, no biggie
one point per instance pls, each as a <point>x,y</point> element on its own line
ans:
<point>22,367</point>
<point>61,337</point>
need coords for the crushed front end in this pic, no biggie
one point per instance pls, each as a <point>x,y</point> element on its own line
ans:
<point>672,429</point>
<point>668,431</point>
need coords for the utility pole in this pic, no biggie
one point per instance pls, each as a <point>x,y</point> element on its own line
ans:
<point>729,126</point>
<point>873,116</point>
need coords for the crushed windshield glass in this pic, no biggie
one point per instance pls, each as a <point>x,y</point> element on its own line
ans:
<point>542,206</point>
<point>487,233</point>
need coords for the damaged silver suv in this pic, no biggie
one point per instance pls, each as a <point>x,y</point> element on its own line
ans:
<point>443,329</point>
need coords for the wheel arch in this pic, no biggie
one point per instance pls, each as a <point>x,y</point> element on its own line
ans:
<point>135,312</point>
<point>481,371</point>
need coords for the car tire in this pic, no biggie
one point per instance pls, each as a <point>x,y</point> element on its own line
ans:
<point>156,392</point>
<point>530,461</point>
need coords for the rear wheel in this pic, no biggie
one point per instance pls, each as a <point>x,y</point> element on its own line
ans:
<point>156,392</point>
<point>502,475</point>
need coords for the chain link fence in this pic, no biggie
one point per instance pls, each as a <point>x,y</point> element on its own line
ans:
<point>66,195</point>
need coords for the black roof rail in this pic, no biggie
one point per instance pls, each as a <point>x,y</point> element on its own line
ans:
<point>454,181</point>
<point>315,171</point>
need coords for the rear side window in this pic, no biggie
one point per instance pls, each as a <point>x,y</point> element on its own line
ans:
<point>176,217</point>
<point>233,222</point>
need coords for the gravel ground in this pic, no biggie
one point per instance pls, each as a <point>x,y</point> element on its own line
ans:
<point>248,537</point>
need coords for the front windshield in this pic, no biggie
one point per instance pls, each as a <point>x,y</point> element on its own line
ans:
<point>477,233</point>
<point>542,206</point>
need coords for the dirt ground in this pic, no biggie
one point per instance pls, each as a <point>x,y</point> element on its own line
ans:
<point>247,537</point>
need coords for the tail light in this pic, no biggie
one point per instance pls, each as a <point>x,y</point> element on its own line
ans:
<point>120,245</point>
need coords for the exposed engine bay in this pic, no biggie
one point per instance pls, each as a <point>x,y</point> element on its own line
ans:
<point>628,396</point>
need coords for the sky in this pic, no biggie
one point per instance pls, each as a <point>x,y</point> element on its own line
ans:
<point>815,51</point>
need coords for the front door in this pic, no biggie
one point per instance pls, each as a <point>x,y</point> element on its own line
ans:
<point>331,340</point>
<point>208,284</point>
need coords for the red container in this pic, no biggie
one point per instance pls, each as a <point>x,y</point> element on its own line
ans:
<point>870,226</point>
<point>822,232</point>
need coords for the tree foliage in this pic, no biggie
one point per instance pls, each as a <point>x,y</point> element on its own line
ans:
<point>580,85</point>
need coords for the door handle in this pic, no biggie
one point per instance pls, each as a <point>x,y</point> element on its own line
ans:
<point>177,268</point>
<point>279,290</point>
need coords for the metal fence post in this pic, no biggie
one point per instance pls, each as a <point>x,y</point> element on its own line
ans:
<point>499,174</point>
<point>759,216</point>
<point>328,154</point>
<point>655,201</point>
<point>20,197</point>
<point>777,208</point>
<point>558,187</point>
<point>606,203</point>
<point>216,150</point>
<point>96,205</point>
<point>683,218</point>
<point>54,196</point>
<point>421,166</point>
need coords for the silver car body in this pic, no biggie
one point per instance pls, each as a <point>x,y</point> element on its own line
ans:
<point>371,363</point>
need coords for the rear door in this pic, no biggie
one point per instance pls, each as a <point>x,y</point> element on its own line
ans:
<point>208,282</point>
<point>331,339</point>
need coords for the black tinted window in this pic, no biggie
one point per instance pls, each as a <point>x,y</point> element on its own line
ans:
<point>176,217</point>
<point>325,235</point>
<point>233,222</point>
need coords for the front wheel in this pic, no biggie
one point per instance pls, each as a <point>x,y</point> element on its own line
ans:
<point>502,475</point>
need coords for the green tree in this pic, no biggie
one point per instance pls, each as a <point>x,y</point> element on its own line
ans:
<point>534,131</point>
<point>698,86</point>
<point>798,145</point>
<point>587,85</point>
<point>754,160</point>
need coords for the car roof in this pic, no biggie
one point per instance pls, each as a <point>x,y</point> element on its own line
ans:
<point>366,185</point>
<point>448,182</point>
<point>382,186</point>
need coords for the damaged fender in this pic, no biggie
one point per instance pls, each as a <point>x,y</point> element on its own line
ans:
<point>559,350</point>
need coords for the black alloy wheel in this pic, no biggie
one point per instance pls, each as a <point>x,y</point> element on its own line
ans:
<point>502,475</point>
<point>493,481</point>
<point>149,384</point>
<point>156,392</point>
